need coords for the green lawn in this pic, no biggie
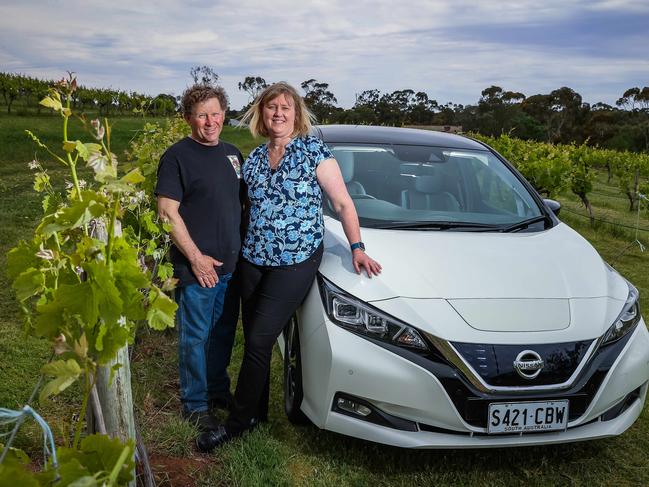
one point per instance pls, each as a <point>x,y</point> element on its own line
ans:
<point>280,453</point>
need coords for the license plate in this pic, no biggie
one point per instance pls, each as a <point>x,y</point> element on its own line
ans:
<point>516,417</point>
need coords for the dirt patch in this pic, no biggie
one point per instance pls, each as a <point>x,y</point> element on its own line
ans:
<point>179,472</point>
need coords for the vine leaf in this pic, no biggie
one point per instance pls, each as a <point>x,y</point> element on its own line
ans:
<point>106,293</point>
<point>161,310</point>
<point>74,216</point>
<point>99,453</point>
<point>165,271</point>
<point>21,258</point>
<point>64,372</point>
<point>16,474</point>
<point>29,283</point>
<point>86,150</point>
<point>149,223</point>
<point>133,177</point>
<point>76,474</point>
<point>69,300</point>
<point>15,456</point>
<point>53,102</point>
<point>102,166</point>
<point>41,182</point>
<point>69,146</point>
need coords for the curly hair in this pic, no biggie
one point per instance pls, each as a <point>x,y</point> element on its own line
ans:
<point>198,94</point>
<point>254,116</point>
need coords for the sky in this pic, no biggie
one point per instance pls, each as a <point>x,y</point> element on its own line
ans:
<point>450,49</point>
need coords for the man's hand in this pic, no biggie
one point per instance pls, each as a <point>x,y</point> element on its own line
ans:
<point>204,268</point>
<point>361,260</point>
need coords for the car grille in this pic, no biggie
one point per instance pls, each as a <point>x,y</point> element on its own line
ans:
<point>473,404</point>
<point>494,363</point>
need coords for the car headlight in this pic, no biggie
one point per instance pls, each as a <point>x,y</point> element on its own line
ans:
<point>628,318</point>
<point>352,314</point>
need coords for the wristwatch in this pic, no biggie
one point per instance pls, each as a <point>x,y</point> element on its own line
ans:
<point>358,245</point>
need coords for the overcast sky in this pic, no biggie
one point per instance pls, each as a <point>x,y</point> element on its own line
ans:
<point>451,49</point>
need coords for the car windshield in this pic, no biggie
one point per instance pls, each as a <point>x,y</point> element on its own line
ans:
<point>436,188</point>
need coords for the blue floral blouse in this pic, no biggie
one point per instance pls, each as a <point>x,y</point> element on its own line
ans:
<point>286,224</point>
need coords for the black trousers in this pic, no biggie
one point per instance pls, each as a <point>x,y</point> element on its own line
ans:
<point>269,297</point>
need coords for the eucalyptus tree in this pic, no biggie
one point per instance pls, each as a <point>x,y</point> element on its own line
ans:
<point>319,99</point>
<point>253,85</point>
<point>204,75</point>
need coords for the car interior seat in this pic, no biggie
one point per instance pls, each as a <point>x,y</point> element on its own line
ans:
<point>346,162</point>
<point>427,194</point>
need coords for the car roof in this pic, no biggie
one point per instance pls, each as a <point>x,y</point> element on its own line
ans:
<point>367,134</point>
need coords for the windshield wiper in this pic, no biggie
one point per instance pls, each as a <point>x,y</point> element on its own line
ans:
<point>437,225</point>
<point>524,224</point>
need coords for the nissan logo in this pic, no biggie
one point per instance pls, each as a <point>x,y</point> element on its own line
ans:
<point>528,364</point>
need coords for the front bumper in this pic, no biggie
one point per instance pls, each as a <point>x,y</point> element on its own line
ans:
<point>338,361</point>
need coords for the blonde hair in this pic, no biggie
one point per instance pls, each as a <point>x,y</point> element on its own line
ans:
<point>254,115</point>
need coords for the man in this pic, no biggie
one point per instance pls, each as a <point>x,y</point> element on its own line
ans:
<point>198,189</point>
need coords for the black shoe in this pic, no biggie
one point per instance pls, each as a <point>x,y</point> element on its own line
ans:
<point>221,402</point>
<point>203,420</point>
<point>206,442</point>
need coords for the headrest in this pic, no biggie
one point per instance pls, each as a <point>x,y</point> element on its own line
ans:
<point>410,169</point>
<point>346,162</point>
<point>428,184</point>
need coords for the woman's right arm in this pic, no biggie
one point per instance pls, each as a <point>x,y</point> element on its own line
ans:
<point>331,180</point>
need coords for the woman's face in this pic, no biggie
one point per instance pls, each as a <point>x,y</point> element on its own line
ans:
<point>279,116</point>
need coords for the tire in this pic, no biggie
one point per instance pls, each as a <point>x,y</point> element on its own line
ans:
<point>293,393</point>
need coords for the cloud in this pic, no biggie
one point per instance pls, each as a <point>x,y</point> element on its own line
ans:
<point>451,50</point>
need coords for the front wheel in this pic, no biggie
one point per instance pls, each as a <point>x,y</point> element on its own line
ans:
<point>293,393</point>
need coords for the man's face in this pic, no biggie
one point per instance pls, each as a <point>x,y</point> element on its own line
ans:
<point>206,121</point>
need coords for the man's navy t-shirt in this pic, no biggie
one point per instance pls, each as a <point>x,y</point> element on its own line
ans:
<point>206,180</point>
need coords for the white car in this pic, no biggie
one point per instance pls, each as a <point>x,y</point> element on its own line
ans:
<point>492,323</point>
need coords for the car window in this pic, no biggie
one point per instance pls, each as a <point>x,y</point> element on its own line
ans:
<point>401,184</point>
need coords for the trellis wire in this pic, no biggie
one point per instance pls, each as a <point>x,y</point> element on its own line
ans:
<point>636,227</point>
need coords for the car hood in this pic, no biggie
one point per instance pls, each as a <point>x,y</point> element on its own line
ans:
<point>556,264</point>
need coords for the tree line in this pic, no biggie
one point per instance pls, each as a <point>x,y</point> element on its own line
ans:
<point>560,116</point>
<point>23,94</point>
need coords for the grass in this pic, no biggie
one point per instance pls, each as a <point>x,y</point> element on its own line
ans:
<point>279,453</point>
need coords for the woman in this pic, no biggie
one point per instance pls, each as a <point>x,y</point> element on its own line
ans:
<point>283,244</point>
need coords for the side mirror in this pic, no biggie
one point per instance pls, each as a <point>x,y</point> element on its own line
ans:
<point>554,206</point>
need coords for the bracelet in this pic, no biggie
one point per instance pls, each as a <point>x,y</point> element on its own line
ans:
<point>358,245</point>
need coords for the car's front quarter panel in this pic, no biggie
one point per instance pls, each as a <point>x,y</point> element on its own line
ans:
<point>630,371</point>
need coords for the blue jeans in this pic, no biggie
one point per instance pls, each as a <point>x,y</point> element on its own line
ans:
<point>207,321</point>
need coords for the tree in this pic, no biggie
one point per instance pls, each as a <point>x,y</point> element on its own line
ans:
<point>628,98</point>
<point>10,88</point>
<point>422,109</point>
<point>319,99</point>
<point>395,108</point>
<point>204,75</point>
<point>164,105</point>
<point>253,85</point>
<point>568,115</point>
<point>499,112</point>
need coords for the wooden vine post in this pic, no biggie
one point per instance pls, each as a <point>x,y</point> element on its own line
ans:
<point>114,410</point>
